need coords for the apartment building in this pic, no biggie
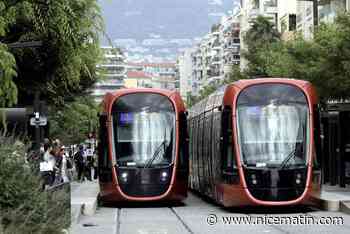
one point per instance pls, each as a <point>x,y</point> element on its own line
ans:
<point>210,61</point>
<point>186,83</point>
<point>161,75</point>
<point>112,73</point>
<point>327,11</point>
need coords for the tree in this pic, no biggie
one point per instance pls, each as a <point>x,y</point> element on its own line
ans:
<point>8,89</point>
<point>74,121</point>
<point>257,39</point>
<point>65,64</point>
<point>324,61</point>
<point>235,75</point>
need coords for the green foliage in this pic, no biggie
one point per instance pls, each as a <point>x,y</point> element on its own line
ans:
<point>74,121</point>
<point>24,206</point>
<point>64,66</point>
<point>235,75</point>
<point>258,39</point>
<point>8,89</point>
<point>324,61</point>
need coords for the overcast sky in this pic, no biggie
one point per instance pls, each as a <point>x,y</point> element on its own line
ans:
<point>140,19</point>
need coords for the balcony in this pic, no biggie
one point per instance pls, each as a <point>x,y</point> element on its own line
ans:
<point>214,80</point>
<point>271,6</point>
<point>253,13</point>
<point>216,60</point>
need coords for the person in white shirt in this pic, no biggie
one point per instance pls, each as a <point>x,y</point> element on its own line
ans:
<point>63,169</point>
<point>49,158</point>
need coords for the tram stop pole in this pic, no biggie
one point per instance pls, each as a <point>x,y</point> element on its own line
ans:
<point>37,119</point>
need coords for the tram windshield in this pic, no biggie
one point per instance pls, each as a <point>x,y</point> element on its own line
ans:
<point>144,130</point>
<point>272,126</point>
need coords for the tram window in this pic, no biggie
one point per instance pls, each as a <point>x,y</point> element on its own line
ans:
<point>317,137</point>
<point>103,161</point>
<point>143,125</point>
<point>228,159</point>
<point>183,140</point>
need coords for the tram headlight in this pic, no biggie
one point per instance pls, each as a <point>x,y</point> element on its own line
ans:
<point>298,179</point>
<point>124,176</point>
<point>164,176</point>
<point>254,181</point>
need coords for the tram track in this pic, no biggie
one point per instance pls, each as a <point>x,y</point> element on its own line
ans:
<point>181,220</point>
<point>118,220</point>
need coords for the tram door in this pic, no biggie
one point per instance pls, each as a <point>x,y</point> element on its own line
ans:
<point>336,146</point>
<point>344,119</point>
<point>104,164</point>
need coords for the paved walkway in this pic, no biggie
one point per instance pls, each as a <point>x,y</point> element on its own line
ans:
<point>83,199</point>
<point>199,216</point>
<point>336,198</point>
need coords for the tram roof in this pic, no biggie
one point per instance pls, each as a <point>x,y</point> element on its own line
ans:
<point>125,91</point>
<point>198,107</point>
<point>248,82</point>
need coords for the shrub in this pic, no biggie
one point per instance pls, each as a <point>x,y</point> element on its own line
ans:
<point>24,206</point>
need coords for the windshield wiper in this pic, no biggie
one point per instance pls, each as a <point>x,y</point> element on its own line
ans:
<point>296,149</point>
<point>288,158</point>
<point>156,154</point>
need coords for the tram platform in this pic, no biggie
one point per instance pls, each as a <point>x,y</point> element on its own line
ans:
<point>83,199</point>
<point>335,198</point>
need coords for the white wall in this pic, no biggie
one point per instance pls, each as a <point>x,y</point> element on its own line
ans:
<point>185,69</point>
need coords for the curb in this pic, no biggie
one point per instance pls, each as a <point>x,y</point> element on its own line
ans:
<point>76,212</point>
<point>345,207</point>
<point>89,207</point>
<point>334,205</point>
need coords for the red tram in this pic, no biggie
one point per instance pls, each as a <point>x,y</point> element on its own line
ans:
<point>143,146</point>
<point>255,142</point>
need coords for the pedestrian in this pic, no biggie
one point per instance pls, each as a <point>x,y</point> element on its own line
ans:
<point>64,165</point>
<point>69,164</point>
<point>88,165</point>
<point>49,159</point>
<point>80,163</point>
<point>58,166</point>
<point>95,165</point>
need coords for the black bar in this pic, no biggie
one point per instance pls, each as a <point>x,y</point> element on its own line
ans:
<point>315,5</point>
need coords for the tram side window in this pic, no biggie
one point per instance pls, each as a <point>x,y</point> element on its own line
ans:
<point>184,150</point>
<point>228,158</point>
<point>317,137</point>
<point>104,164</point>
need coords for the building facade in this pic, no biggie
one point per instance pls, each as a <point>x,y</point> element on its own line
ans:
<point>112,72</point>
<point>138,79</point>
<point>211,60</point>
<point>327,12</point>
<point>161,75</point>
<point>186,85</point>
